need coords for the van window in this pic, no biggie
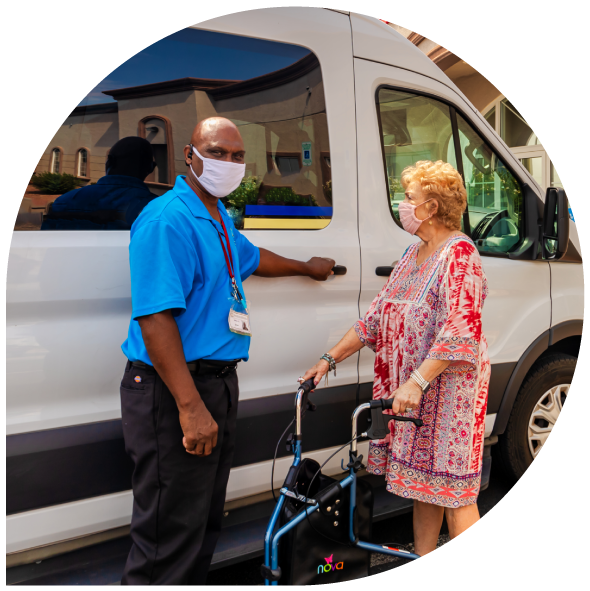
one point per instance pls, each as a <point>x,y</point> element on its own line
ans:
<point>494,196</point>
<point>413,128</point>
<point>272,91</point>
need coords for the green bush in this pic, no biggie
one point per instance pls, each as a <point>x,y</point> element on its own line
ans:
<point>282,195</point>
<point>287,196</point>
<point>245,194</point>
<point>52,183</point>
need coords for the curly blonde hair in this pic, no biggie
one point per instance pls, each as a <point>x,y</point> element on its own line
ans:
<point>440,181</point>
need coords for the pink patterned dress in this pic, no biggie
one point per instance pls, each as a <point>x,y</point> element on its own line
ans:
<point>432,311</point>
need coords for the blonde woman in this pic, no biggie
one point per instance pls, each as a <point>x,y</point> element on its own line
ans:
<point>431,358</point>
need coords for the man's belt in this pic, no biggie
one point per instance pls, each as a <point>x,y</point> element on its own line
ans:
<point>201,366</point>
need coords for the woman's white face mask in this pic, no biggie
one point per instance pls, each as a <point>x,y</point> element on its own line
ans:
<point>220,178</point>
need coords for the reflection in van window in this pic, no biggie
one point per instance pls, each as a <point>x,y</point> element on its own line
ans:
<point>272,91</point>
<point>413,128</point>
<point>494,196</point>
<point>115,200</point>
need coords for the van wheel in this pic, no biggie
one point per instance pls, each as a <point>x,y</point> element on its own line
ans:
<point>535,411</point>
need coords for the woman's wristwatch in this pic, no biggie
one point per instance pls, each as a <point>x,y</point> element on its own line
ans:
<point>424,385</point>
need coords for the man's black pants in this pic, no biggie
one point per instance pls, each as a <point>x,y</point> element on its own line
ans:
<point>178,498</point>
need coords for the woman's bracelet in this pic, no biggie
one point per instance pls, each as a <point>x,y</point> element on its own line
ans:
<point>331,364</point>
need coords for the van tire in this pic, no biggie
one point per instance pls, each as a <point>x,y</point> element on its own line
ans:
<point>548,372</point>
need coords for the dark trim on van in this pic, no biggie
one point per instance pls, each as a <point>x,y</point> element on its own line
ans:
<point>564,330</point>
<point>52,477</point>
<point>535,350</point>
<point>499,379</point>
<point>557,333</point>
<point>56,466</point>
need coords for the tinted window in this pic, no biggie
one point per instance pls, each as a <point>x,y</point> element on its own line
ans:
<point>494,196</point>
<point>272,91</point>
<point>413,128</point>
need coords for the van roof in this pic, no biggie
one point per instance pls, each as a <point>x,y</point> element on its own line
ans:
<point>374,40</point>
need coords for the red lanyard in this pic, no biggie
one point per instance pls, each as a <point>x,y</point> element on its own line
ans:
<point>228,257</point>
<point>229,262</point>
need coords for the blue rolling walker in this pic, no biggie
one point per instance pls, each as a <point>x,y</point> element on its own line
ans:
<point>294,511</point>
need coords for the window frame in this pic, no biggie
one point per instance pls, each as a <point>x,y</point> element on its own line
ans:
<point>61,160</point>
<point>78,162</point>
<point>169,148</point>
<point>453,109</point>
<point>271,160</point>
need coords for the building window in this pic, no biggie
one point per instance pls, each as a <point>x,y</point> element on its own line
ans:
<point>284,164</point>
<point>157,130</point>
<point>82,163</point>
<point>522,141</point>
<point>55,163</point>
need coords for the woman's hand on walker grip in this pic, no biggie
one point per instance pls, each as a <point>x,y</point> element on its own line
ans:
<point>318,371</point>
<point>407,397</point>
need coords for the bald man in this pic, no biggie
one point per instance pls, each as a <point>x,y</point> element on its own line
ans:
<point>188,331</point>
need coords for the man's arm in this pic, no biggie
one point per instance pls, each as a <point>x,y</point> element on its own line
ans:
<point>274,265</point>
<point>164,346</point>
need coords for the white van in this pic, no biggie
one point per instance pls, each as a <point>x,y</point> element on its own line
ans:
<point>332,106</point>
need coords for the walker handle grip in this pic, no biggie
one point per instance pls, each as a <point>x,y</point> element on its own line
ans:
<point>307,386</point>
<point>386,404</point>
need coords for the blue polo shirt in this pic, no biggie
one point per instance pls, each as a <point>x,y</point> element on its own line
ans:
<point>177,264</point>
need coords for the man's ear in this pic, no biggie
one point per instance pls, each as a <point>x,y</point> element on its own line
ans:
<point>188,154</point>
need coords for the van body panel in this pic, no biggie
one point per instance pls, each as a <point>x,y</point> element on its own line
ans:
<point>68,309</point>
<point>567,291</point>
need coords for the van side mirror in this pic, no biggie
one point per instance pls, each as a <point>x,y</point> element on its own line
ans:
<point>556,224</point>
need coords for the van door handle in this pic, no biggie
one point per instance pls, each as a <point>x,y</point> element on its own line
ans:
<point>339,269</point>
<point>385,271</point>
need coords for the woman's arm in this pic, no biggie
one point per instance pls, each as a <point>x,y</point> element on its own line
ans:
<point>409,395</point>
<point>349,345</point>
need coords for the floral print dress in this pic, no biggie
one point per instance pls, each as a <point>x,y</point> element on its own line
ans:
<point>432,311</point>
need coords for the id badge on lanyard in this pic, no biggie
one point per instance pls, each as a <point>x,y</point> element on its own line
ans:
<point>239,318</point>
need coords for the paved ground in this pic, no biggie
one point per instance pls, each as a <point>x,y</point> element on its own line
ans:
<point>397,529</point>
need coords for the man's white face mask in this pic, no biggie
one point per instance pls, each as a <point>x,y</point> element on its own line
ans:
<point>219,177</point>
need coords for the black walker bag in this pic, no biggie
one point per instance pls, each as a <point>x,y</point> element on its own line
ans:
<point>306,557</point>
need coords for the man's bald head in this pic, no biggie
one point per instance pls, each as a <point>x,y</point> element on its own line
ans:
<point>217,138</point>
<point>211,128</point>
